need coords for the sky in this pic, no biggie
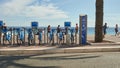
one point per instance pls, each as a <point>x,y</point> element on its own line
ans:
<point>56,12</point>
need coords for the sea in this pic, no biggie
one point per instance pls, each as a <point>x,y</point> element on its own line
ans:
<point>90,30</point>
<point>110,30</point>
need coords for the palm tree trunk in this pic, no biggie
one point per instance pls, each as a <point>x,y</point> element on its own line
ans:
<point>99,21</point>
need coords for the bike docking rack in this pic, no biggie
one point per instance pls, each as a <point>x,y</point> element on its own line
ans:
<point>26,36</point>
<point>35,35</point>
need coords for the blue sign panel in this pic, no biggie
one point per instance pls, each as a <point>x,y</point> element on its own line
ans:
<point>1,23</point>
<point>84,29</point>
<point>67,24</point>
<point>34,24</point>
<point>18,30</point>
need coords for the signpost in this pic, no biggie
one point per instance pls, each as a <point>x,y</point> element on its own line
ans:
<point>34,26</point>
<point>83,30</point>
<point>67,25</point>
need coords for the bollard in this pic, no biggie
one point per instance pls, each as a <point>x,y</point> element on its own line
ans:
<point>13,36</point>
<point>4,35</point>
<point>30,37</point>
<point>21,36</point>
<point>11,29</point>
<point>53,40</point>
<point>72,36</point>
<point>44,35</point>
<point>60,37</point>
<point>67,37</point>
<point>50,37</point>
<point>24,36</point>
<point>40,36</point>
<point>47,37</point>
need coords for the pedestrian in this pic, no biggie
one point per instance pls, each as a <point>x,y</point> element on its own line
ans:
<point>58,29</point>
<point>105,30</point>
<point>76,32</point>
<point>48,29</point>
<point>116,29</point>
<point>76,28</point>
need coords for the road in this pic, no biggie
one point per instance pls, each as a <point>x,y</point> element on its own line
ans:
<point>76,60</point>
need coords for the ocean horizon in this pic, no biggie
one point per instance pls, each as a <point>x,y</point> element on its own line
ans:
<point>90,30</point>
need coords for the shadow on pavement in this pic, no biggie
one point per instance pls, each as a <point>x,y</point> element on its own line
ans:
<point>8,61</point>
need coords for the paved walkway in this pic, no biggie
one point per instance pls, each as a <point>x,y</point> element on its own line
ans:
<point>112,46</point>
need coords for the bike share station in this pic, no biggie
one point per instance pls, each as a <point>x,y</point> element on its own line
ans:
<point>35,35</point>
<point>83,30</point>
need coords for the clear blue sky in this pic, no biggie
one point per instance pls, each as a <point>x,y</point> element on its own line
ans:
<point>55,12</point>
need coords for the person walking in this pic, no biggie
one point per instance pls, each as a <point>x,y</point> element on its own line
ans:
<point>116,29</point>
<point>58,31</point>
<point>76,28</point>
<point>105,30</point>
<point>76,32</point>
<point>48,32</point>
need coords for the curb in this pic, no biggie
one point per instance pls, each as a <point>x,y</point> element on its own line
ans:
<point>57,51</point>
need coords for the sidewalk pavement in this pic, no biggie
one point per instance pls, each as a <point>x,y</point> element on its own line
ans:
<point>114,46</point>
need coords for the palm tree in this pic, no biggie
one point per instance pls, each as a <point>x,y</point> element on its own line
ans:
<point>99,21</point>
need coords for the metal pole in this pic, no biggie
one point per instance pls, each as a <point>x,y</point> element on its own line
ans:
<point>24,35</point>
<point>67,36</point>
<point>47,37</point>
<point>13,36</point>
<point>53,39</point>
<point>34,39</point>
<point>44,36</point>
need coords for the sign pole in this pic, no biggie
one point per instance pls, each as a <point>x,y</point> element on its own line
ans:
<point>24,35</point>
<point>35,29</point>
